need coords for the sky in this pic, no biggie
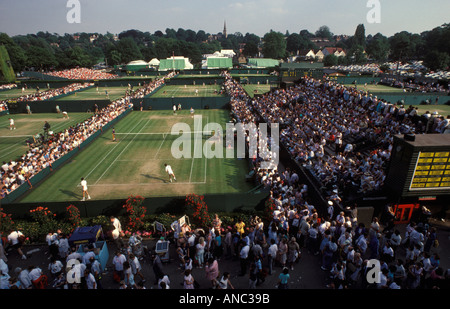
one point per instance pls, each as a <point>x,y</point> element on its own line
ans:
<point>245,16</point>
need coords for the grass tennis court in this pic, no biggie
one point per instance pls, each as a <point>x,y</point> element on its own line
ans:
<point>443,110</point>
<point>187,91</point>
<point>253,89</point>
<point>13,143</point>
<point>15,93</point>
<point>92,94</point>
<point>195,76</point>
<point>134,164</point>
<point>376,88</point>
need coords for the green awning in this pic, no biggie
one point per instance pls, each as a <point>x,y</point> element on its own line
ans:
<point>219,63</point>
<point>263,62</point>
<point>171,64</point>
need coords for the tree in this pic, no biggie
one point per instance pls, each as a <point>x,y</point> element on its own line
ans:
<point>16,53</point>
<point>401,46</point>
<point>250,37</point>
<point>115,57</point>
<point>159,33</point>
<point>191,36</point>
<point>274,45</point>
<point>436,60</point>
<point>250,49</point>
<point>378,47</point>
<point>324,32</point>
<point>129,50</point>
<point>171,33</point>
<point>201,36</point>
<point>360,36</point>
<point>330,60</point>
<point>181,34</point>
<point>306,34</point>
<point>294,43</point>
<point>40,58</point>
<point>165,48</point>
<point>79,58</point>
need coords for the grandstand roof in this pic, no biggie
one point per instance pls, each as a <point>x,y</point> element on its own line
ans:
<point>302,65</point>
<point>137,62</point>
<point>154,61</point>
<point>263,62</point>
<point>219,62</point>
<point>175,63</point>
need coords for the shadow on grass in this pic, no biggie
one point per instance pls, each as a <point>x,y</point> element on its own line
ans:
<point>153,177</point>
<point>69,193</point>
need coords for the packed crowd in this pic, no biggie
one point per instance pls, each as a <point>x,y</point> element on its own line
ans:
<point>409,69</point>
<point>314,114</point>
<point>346,249</point>
<point>82,74</point>
<point>8,86</point>
<point>42,155</point>
<point>366,68</point>
<point>51,93</point>
<point>317,115</point>
<point>415,86</point>
<point>344,245</point>
<point>149,88</point>
<point>3,105</point>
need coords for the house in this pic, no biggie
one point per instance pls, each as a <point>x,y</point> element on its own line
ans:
<point>303,55</point>
<point>320,43</point>
<point>337,51</point>
<point>228,53</point>
<point>242,59</point>
<point>320,55</point>
<point>307,54</point>
<point>93,37</point>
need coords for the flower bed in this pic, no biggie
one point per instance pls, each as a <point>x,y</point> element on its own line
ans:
<point>41,220</point>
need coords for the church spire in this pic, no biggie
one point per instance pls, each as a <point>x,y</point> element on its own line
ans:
<point>225,29</point>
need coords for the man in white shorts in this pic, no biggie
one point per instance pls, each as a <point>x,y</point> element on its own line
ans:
<point>170,172</point>
<point>11,124</point>
<point>84,188</point>
<point>192,112</point>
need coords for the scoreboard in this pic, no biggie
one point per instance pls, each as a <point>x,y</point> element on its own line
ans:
<point>432,171</point>
<point>419,166</point>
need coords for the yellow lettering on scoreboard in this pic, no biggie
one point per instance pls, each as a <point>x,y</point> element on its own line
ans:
<point>432,171</point>
<point>423,167</point>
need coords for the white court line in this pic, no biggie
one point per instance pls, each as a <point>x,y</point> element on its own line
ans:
<point>7,136</point>
<point>160,133</point>
<point>165,136</point>
<point>192,162</point>
<point>147,184</point>
<point>120,153</point>
<point>14,145</point>
<point>109,153</point>
<point>206,159</point>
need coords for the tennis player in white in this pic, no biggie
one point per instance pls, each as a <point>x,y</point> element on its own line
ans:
<point>84,188</point>
<point>170,172</point>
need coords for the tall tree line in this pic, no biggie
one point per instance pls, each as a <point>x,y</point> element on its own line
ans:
<point>45,50</point>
